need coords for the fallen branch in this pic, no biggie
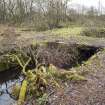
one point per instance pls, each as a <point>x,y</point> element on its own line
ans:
<point>22,93</point>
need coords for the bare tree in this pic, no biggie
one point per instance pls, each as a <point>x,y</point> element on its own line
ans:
<point>46,13</point>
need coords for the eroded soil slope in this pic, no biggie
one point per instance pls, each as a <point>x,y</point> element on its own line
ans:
<point>90,92</point>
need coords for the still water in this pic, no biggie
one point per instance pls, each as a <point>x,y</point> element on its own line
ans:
<point>7,80</point>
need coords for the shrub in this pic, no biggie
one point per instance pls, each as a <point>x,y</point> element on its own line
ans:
<point>94,32</point>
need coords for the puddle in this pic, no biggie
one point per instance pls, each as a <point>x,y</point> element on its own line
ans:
<point>7,81</point>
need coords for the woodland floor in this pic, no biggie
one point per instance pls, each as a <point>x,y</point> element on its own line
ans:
<point>90,92</point>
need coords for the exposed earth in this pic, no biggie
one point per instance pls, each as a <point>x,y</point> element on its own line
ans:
<point>90,92</point>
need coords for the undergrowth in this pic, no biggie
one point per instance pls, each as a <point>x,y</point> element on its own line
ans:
<point>37,81</point>
<point>94,32</point>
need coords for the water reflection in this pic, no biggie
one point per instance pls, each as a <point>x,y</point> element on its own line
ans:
<point>7,81</point>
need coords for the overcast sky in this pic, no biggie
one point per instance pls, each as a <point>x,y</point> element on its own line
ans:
<point>89,3</point>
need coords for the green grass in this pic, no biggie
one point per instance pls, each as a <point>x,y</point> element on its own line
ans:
<point>61,32</point>
<point>64,32</point>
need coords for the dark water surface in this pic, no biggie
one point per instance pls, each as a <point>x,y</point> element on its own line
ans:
<point>7,80</point>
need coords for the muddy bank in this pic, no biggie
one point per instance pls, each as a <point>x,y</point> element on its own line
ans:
<point>59,54</point>
<point>90,92</point>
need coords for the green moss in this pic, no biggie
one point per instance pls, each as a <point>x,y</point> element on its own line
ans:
<point>3,66</point>
<point>70,31</point>
<point>15,91</point>
<point>5,62</point>
<point>30,76</point>
<point>76,77</point>
<point>42,100</point>
<point>22,93</point>
<point>63,74</point>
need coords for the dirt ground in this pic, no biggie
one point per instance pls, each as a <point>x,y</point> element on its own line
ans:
<point>90,92</point>
<point>10,35</point>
